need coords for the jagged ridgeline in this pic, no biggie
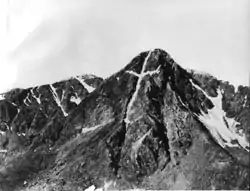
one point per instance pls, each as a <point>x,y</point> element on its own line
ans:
<point>151,125</point>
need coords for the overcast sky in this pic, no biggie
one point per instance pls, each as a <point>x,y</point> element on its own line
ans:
<point>49,40</point>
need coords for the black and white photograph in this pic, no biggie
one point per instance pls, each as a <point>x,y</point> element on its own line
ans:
<point>99,95</point>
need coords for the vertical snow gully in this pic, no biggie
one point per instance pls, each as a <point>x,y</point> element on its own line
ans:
<point>116,141</point>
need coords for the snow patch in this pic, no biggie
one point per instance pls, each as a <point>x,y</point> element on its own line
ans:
<point>28,98</point>
<point>63,95</point>
<point>3,151</point>
<point>85,85</point>
<point>133,73</point>
<point>245,101</point>
<point>76,100</point>
<point>126,120</point>
<point>91,188</point>
<point>13,104</point>
<point>104,188</point>
<point>21,134</point>
<point>56,98</point>
<point>34,96</point>
<point>223,129</point>
<point>2,132</point>
<point>88,129</point>
<point>142,75</point>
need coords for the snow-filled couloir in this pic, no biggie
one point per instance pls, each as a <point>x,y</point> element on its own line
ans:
<point>222,128</point>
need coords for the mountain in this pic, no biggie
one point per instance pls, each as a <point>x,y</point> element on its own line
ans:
<point>24,113</point>
<point>151,125</point>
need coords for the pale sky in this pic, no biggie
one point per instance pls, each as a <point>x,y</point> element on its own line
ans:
<point>49,40</point>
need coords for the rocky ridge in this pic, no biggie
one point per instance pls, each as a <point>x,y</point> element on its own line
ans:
<point>152,125</point>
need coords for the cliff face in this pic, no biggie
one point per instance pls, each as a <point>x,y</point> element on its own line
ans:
<point>152,125</point>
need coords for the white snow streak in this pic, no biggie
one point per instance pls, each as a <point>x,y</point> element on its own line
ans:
<point>216,125</point>
<point>56,98</point>
<point>2,132</point>
<point>63,94</point>
<point>245,101</point>
<point>136,145</point>
<point>88,129</point>
<point>75,100</point>
<point>138,85</point>
<point>184,105</point>
<point>43,112</point>
<point>25,102</point>
<point>157,71</point>
<point>85,85</point>
<point>142,75</point>
<point>3,151</point>
<point>34,96</point>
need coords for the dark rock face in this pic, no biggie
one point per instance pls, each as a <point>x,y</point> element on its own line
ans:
<point>41,111</point>
<point>152,125</point>
<point>8,111</point>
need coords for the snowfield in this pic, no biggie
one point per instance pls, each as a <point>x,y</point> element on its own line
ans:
<point>75,100</point>
<point>223,129</point>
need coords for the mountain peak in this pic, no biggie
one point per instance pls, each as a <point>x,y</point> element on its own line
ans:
<point>151,125</point>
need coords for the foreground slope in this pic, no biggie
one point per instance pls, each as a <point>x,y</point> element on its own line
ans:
<point>152,125</point>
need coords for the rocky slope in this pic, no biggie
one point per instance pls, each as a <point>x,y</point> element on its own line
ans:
<point>152,125</point>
